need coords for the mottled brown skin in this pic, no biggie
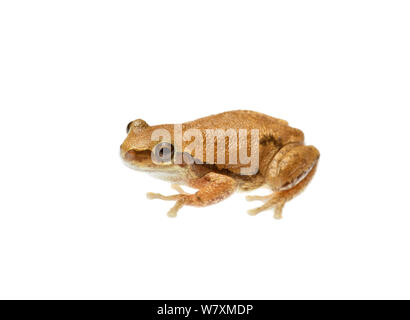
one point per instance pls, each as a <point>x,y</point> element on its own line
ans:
<point>286,165</point>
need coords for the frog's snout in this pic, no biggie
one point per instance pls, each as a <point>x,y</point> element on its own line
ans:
<point>122,151</point>
<point>127,153</point>
<point>130,155</point>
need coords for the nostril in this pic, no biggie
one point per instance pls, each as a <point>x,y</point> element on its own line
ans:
<point>131,155</point>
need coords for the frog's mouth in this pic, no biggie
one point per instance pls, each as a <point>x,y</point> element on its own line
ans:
<point>298,179</point>
<point>141,161</point>
<point>136,156</point>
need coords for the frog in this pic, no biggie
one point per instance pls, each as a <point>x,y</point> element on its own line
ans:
<point>285,164</point>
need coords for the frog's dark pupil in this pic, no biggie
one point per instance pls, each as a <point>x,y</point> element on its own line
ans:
<point>164,152</point>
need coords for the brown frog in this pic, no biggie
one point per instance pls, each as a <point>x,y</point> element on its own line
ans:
<point>183,154</point>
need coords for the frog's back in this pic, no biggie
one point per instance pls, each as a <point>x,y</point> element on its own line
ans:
<point>238,119</point>
<point>246,119</point>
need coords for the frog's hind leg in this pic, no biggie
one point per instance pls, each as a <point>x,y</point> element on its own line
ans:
<point>278,199</point>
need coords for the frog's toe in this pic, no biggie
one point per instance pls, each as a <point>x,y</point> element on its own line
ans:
<point>272,202</point>
<point>152,195</point>
<point>278,209</point>
<point>261,198</point>
<point>178,188</point>
<point>172,213</point>
<point>255,211</point>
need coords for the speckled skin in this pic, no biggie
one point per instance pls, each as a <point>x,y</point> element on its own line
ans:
<point>286,165</point>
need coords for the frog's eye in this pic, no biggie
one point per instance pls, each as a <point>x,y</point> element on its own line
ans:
<point>139,123</point>
<point>163,152</point>
<point>129,127</point>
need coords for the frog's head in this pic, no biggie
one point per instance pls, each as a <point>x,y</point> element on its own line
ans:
<point>145,148</point>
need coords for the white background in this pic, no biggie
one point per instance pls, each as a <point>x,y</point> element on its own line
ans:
<point>75,222</point>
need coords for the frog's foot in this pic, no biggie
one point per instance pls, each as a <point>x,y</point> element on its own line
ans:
<point>178,205</point>
<point>272,201</point>
<point>179,197</point>
<point>212,187</point>
<point>278,198</point>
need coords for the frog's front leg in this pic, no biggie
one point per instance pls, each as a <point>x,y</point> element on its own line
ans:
<point>213,187</point>
<point>289,172</point>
